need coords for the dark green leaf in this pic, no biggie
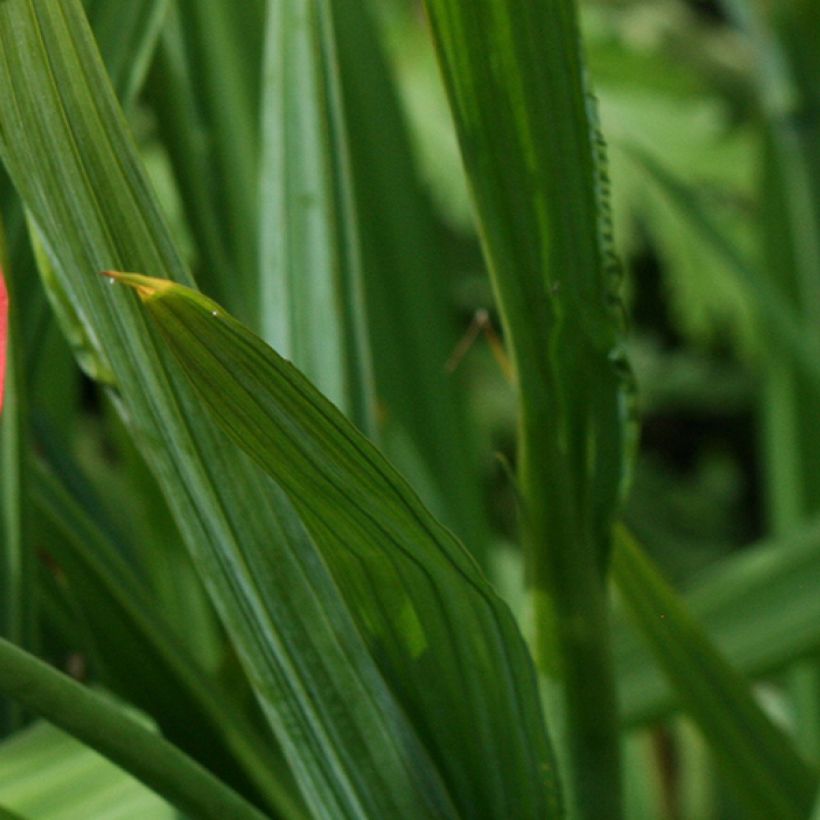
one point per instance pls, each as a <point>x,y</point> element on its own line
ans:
<point>442,637</point>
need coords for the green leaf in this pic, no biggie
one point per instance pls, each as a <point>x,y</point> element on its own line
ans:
<point>105,727</point>
<point>211,106</point>
<point>48,775</point>
<point>412,334</point>
<point>534,161</point>
<point>758,757</point>
<point>310,278</point>
<point>127,35</point>
<point>288,623</point>
<point>759,607</point>
<point>428,613</point>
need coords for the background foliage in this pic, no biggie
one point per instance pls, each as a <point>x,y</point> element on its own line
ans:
<point>187,559</point>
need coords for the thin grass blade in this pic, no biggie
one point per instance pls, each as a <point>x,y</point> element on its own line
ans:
<point>310,278</point>
<point>754,753</point>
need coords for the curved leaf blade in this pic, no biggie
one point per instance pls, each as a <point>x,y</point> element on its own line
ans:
<point>420,599</point>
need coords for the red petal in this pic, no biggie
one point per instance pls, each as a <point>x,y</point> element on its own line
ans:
<point>4,332</point>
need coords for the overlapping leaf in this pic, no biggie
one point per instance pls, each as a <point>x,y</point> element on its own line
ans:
<point>441,636</point>
<point>119,736</point>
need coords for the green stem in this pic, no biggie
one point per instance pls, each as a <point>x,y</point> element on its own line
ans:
<point>98,722</point>
<point>571,629</point>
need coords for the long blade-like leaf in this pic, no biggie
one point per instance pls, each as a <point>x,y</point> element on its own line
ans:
<point>419,597</point>
<point>514,74</point>
<point>754,753</point>
<point>311,300</point>
<point>127,35</point>
<point>759,607</point>
<point>65,144</point>
<point>120,737</point>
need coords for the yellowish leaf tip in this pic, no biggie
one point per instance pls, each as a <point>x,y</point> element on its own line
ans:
<point>145,286</point>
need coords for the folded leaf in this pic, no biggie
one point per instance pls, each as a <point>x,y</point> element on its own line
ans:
<point>442,637</point>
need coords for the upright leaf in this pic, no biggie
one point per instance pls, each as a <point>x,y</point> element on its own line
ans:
<point>426,610</point>
<point>514,74</point>
<point>127,35</point>
<point>208,115</point>
<point>412,330</point>
<point>311,301</point>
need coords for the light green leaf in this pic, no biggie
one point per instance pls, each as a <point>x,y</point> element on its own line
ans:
<point>47,775</point>
<point>441,635</point>
<point>758,757</point>
<point>310,279</point>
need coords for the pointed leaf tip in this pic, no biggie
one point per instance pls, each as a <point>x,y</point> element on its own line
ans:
<point>4,332</point>
<point>145,286</point>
